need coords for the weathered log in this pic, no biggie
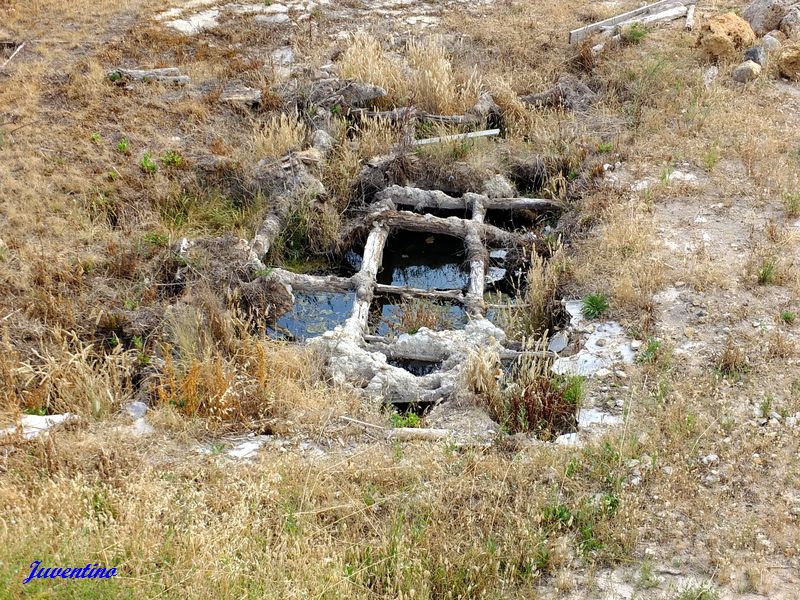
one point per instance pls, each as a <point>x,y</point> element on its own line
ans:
<point>419,198</point>
<point>690,18</point>
<point>365,280</point>
<point>408,434</point>
<point>456,295</point>
<point>476,254</point>
<point>165,75</point>
<point>453,226</point>
<point>392,351</point>
<point>404,433</point>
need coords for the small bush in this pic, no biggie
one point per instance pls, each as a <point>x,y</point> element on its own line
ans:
<point>172,158</point>
<point>124,146</point>
<point>791,203</point>
<point>409,419</point>
<point>732,360</point>
<point>594,305</point>
<point>634,33</point>
<point>528,398</point>
<point>147,164</point>
<point>767,272</point>
<point>788,317</point>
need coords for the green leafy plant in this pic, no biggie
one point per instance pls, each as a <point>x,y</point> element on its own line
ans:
<point>697,592</point>
<point>409,419</point>
<point>788,317</point>
<point>594,305</point>
<point>605,147</point>
<point>650,351</point>
<point>96,137</point>
<point>767,272</point>
<point>791,204</point>
<point>156,239</point>
<point>634,33</point>
<point>124,146</point>
<point>172,158</point>
<point>147,164</point>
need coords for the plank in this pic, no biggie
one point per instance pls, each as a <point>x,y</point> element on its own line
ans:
<point>576,35</point>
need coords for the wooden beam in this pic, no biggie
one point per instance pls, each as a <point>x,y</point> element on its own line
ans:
<point>690,18</point>
<point>576,35</point>
<point>455,295</point>
<point>365,280</point>
<point>476,254</point>
<point>419,198</point>
<point>456,137</point>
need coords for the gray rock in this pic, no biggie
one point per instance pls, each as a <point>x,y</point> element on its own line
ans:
<point>771,44</point>
<point>747,72</point>
<point>322,141</point>
<point>710,75</point>
<point>275,19</point>
<point>790,25</point>
<point>766,15</point>
<point>498,187</point>
<point>136,409</point>
<point>558,342</point>
<point>757,54</point>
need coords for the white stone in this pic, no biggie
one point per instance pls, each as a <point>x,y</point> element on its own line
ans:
<point>589,417</point>
<point>275,19</point>
<point>196,23</point>
<point>709,459</point>
<point>682,177</point>
<point>136,409</point>
<point>33,425</point>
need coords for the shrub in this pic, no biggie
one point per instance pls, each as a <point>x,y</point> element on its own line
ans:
<point>594,305</point>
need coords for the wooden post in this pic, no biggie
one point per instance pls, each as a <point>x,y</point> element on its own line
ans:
<point>356,325</point>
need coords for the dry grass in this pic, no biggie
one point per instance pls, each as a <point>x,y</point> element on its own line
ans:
<point>278,136</point>
<point>423,77</point>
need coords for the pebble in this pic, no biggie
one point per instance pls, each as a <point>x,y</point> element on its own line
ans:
<point>711,458</point>
<point>621,374</point>
<point>136,409</point>
<point>636,344</point>
<point>601,342</point>
<point>558,342</point>
<point>689,332</point>
<point>771,43</point>
<point>602,373</point>
<point>756,54</point>
<point>746,72</point>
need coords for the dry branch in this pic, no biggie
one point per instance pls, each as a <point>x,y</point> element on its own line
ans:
<point>13,54</point>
